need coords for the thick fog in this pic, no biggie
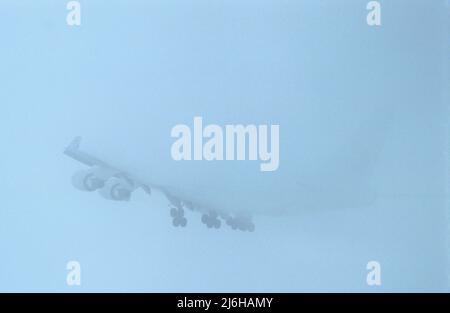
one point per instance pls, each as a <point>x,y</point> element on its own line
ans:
<point>363,132</point>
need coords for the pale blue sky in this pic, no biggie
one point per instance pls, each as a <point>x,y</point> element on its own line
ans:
<point>132,65</point>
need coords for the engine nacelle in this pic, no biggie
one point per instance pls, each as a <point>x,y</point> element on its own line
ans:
<point>87,180</point>
<point>117,189</point>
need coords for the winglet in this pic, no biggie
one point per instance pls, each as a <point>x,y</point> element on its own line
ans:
<point>75,144</point>
<point>73,150</point>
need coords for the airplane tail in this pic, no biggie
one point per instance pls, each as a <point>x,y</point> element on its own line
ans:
<point>351,172</point>
<point>362,151</point>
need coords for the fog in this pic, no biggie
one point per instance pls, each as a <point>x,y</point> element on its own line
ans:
<point>133,70</point>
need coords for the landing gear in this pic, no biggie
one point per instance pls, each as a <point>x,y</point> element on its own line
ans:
<point>178,219</point>
<point>176,211</point>
<point>241,224</point>
<point>211,220</point>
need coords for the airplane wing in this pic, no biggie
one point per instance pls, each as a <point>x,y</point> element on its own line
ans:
<point>115,184</point>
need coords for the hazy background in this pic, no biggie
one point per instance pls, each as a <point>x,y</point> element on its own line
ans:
<point>132,62</point>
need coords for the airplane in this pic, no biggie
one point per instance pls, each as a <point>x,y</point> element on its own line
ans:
<point>327,178</point>
<point>115,184</point>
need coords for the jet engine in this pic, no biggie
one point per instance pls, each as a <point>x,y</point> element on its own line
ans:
<point>87,180</point>
<point>117,189</point>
